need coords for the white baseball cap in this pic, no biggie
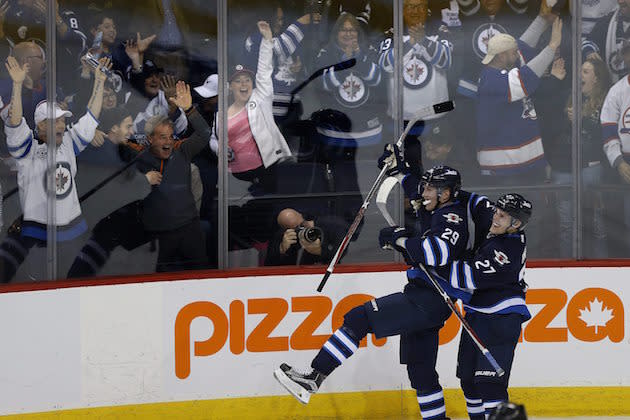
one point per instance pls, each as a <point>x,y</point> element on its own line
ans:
<point>210,87</point>
<point>41,112</point>
<point>498,44</point>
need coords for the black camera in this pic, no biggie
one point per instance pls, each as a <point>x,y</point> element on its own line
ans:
<point>308,234</point>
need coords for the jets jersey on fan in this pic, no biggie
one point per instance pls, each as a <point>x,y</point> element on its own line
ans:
<point>353,95</point>
<point>607,39</point>
<point>425,63</point>
<point>593,10</point>
<point>615,119</point>
<point>286,53</point>
<point>32,162</point>
<point>471,45</point>
<point>508,136</point>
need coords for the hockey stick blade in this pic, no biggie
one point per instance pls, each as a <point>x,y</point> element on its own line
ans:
<point>444,107</point>
<point>342,65</point>
<point>493,362</point>
<point>422,113</point>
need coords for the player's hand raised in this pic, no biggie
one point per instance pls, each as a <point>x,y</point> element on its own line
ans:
<point>393,159</point>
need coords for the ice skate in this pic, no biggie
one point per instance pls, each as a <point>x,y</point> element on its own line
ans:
<point>300,385</point>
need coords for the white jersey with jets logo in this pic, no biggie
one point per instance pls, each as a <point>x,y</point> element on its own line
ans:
<point>32,162</point>
<point>615,119</point>
<point>424,72</point>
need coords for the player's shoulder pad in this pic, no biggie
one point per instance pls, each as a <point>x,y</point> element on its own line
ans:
<point>475,202</point>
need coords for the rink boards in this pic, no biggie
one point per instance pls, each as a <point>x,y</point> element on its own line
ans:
<point>208,347</point>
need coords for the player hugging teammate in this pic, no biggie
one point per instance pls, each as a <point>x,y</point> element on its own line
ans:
<point>461,247</point>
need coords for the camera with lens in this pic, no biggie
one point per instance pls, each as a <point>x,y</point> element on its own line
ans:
<point>308,234</point>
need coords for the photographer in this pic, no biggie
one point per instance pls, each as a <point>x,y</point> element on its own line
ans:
<point>305,240</point>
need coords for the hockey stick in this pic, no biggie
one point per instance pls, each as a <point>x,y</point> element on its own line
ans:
<point>101,184</point>
<point>422,113</point>
<point>10,193</point>
<point>342,65</point>
<point>475,338</point>
<point>89,193</point>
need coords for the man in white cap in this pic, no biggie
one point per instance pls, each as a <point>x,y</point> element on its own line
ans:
<point>30,150</point>
<point>207,98</point>
<point>210,87</point>
<point>509,145</point>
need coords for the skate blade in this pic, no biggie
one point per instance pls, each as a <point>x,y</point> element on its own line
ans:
<point>294,389</point>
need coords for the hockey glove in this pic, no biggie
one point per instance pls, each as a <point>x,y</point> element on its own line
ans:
<point>392,158</point>
<point>387,237</point>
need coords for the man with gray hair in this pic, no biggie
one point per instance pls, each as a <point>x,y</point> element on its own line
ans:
<point>168,212</point>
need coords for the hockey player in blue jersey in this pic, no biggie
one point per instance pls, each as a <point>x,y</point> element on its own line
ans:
<point>497,307</point>
<point>417,313</point>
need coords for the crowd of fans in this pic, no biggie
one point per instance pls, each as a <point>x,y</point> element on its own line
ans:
<point>312,99</point>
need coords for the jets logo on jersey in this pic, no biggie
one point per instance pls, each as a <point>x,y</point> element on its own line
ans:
<point>284,73</point>
<point>625,120</point>
<point>501,258</point>
<point>615,62</point>
<point>63,180</point>
<point>417,73</point>
<point>42,152</point>
<point>482,36</point>
<point>452,218</point>
<point>529,112</point>
<point>352,92</point>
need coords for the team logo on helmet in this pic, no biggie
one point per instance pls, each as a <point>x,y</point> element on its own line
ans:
<point>352,92</point>
<point>453,218</point>
<point>482,36</point>
<point>417,72</point>
<point>63,180</point>
<point>501,258</point>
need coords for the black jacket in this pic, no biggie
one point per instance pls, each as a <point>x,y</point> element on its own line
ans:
<point>333,231</point>
<point>171,205</point>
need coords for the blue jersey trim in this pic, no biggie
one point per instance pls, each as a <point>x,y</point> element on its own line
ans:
<point>38,231</point>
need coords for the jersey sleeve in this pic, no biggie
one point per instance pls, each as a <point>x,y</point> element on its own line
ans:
<point>82,133</point>
<point>438,52</point>
<point>19,139</point>
<point>609,118</point>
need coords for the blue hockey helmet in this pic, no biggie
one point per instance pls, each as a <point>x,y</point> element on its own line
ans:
<point>443,176</point>
<point>516,206</point>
